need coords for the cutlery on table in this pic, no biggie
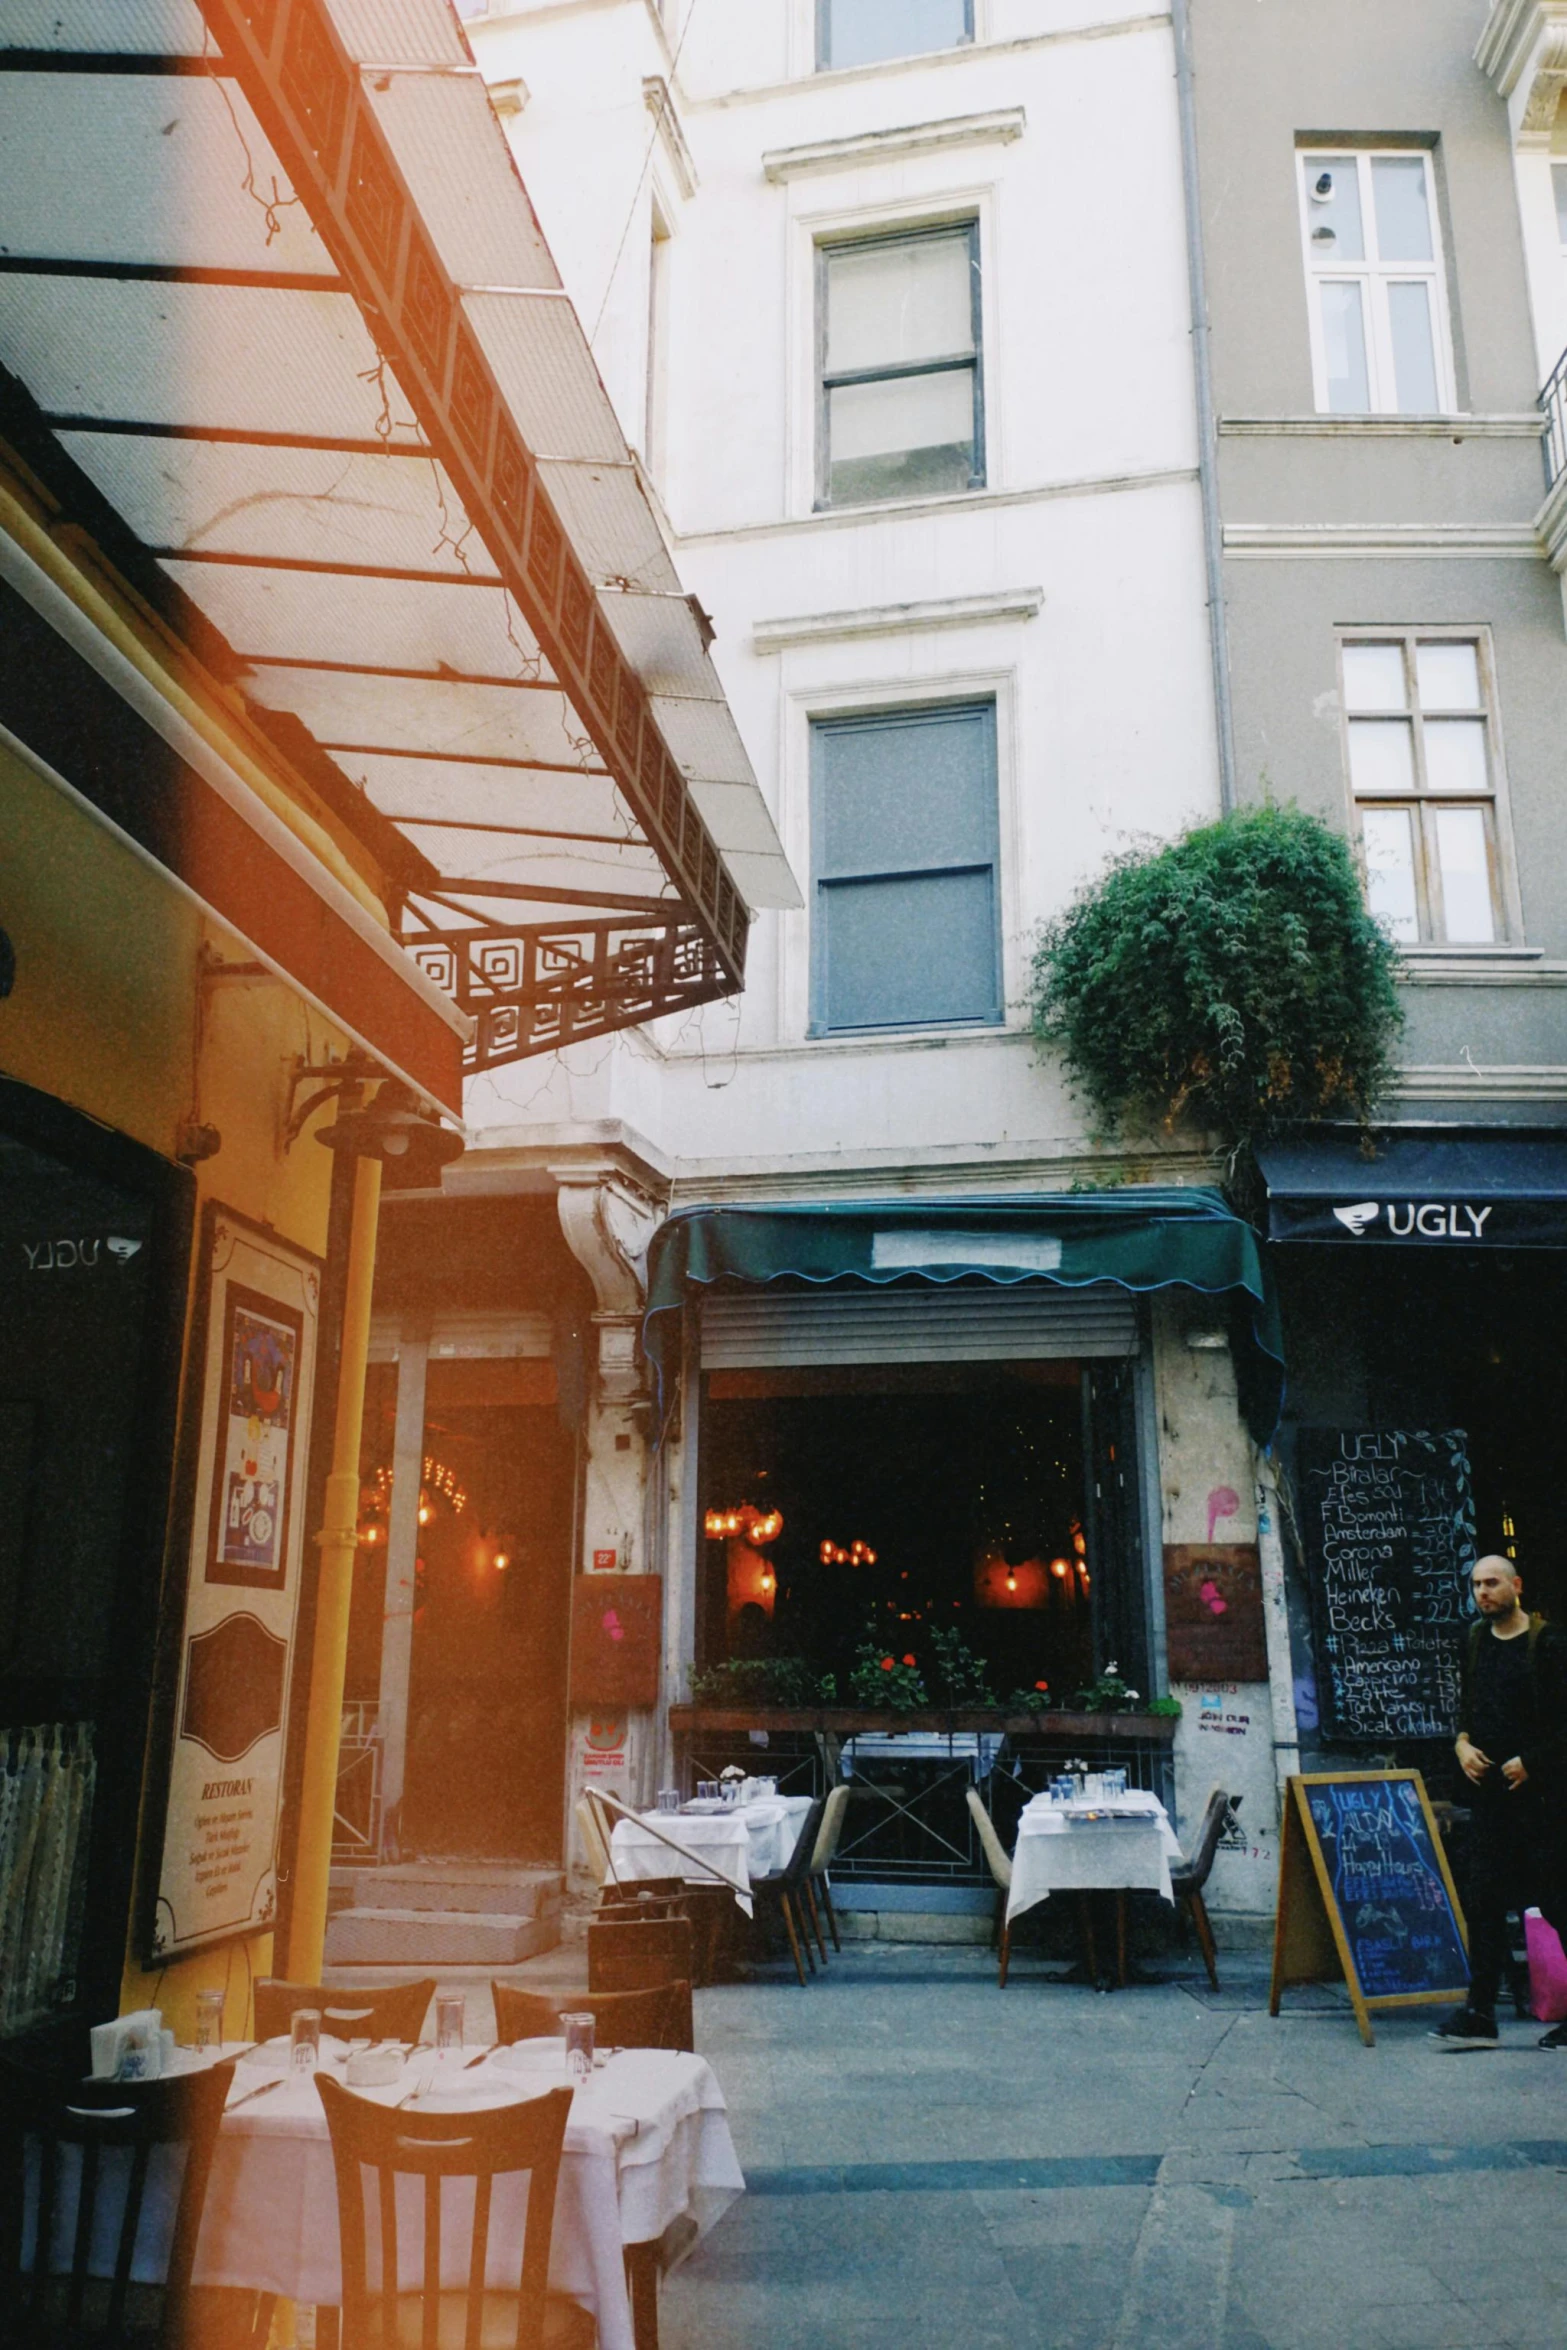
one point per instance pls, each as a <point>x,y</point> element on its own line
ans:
<point>473,2060</point>
<point>235,2103</point>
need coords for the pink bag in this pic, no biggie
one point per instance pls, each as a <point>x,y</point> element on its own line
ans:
<point>1547,1969</point>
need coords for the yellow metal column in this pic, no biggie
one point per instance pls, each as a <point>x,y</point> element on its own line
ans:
<point>338,1540</point>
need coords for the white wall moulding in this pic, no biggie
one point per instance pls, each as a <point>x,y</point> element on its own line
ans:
<point>1527,425</point>
<point>999,128</point>
<point>813,628</point>
<point>1550,526</point>
<point>661,105</point>
<point>1523,50</point>
<point>758,1332</point>
<point>1523,967</point>
<point>953,502</point>
<point>1462,1080</point>
<point>1337,541</point>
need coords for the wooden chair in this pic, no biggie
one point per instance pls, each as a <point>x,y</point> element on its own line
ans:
<point>392,2143</point>
<point>784,1890</point>
<point>827,1839</point>
<point>1188,1877</point>
<point>639,1955</point>
<point>659,2017</point>
<point>1001,1869</point>
<point>92,2146</point>
<point>389,2011</point>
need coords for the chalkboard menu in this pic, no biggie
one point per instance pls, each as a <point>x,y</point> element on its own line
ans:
<point>1388,1524</point>
<point>1364,1890</point>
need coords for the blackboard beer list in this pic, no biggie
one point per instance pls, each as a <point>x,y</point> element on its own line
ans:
<point>1388,1523</point>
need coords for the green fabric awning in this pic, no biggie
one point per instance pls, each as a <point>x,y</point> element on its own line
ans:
<point>1139,1238</point>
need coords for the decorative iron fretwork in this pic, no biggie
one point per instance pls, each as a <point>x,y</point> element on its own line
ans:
<point>543,985</point>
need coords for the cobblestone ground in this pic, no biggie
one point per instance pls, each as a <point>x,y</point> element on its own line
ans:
<point>934,2163</point>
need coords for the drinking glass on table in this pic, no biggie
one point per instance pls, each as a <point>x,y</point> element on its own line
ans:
<point>669,1799</point>
<point>209,2019</point>
<point>304,2039</point>
<point>450,2016</point>
<point>579,2048</point>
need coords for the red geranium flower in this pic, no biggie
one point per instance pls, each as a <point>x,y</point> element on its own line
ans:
<point>887,1663</point>
<point>908,1660</point>
<point>1041,1684</point>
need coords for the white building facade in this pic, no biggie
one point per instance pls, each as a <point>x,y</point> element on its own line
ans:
<point>892,298</point>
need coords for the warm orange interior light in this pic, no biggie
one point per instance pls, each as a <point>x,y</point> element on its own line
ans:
<point>501,1562</point>
<point>1011,1580</point>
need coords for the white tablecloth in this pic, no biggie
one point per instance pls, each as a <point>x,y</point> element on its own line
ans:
<point>747,1840</point>
<point>1128,1848</point>
<point>647,2143</point>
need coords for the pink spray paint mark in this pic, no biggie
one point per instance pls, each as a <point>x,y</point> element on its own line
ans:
<point>1223,1502</point>
<point>613,1625</point>
<point>1212,1599</point>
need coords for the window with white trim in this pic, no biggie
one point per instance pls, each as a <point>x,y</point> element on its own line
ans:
<point>1420,740</point>
<point>905,896</point>
<point>1379,330</point>
<point>862,32</point>
<point>901,413</point>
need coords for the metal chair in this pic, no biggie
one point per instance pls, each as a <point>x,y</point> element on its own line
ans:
<point>388,2011</point>
<point>394,2143</point>
<point>1188,1877</point>
<point>783,1890</point>
<point>658,2017</point>
<point>1001,1869</point>
<point>81,2158</point>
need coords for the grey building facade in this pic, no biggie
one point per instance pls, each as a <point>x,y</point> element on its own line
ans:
<point>1386,284</point>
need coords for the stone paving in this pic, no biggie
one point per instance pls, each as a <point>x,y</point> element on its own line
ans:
<point>932,2162</point>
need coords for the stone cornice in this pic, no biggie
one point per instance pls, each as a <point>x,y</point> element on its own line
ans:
<point>1524,424</point>
<point>1523,50</point>
<point>661,105</point>
<point>771,636</point>
<point>895,146</point>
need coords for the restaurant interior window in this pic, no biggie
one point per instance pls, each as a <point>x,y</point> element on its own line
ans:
<point>901,393</point>
<point>906,919</point>
<point>861,32</point>
<point>879,1505</point>
<point>1379,337</point>
<point>1423,770</point>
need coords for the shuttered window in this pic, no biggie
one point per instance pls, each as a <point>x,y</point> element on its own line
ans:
<point>906,915</point>
<point>760,1329</point>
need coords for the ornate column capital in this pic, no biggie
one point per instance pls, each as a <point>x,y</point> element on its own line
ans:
<point>1523,52</point>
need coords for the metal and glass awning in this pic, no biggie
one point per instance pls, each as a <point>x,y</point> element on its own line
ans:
<point>274,301</point>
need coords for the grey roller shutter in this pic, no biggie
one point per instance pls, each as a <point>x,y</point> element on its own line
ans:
<point>762,1330</point>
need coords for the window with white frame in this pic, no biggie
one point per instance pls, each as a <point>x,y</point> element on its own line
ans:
<point>861,32</point>
<point>901,413</point>
<point>1419,719</point>
<point>906,917</point>
<point>1379,334</point>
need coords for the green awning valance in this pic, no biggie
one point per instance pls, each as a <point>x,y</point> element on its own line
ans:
<point>1141,1239</point>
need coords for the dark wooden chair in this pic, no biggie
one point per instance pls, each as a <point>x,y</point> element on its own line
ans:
<point>87,2152</point>
<point>1188,1877</point>
<point>658,2017</point>
<point>388,2144</point>
<point>386,2011</point>
<point>784,1891</point>
<point>639,1955</point>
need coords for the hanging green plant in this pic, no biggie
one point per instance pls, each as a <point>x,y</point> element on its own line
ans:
<point>1233,978</point>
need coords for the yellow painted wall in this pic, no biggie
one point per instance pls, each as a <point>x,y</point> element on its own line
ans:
<point>123,1009</point>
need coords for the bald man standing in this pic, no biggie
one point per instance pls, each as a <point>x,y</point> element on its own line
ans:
<point>1512,1748</point>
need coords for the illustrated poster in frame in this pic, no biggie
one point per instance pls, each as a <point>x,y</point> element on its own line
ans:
<point>230,1654</point>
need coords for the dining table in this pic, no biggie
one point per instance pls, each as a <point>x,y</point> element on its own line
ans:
<point>730,1843</point>
<point>648,2162</point>
<point>1116,1843</point>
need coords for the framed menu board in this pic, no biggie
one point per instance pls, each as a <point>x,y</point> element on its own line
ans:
<point>228,1649</point>
<point>1387,1519</point>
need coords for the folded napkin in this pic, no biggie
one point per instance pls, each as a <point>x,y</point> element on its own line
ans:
<point>132,2048</point>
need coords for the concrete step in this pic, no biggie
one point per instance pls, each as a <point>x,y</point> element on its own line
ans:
<point>496,1888</point>
<point>436,1937</point>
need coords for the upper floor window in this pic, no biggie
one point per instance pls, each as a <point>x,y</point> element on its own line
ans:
<point>1418,716</point>
<point>1379,339</point>
<point>858,32</point>
<point>901,413</point>
<point>906,920</point>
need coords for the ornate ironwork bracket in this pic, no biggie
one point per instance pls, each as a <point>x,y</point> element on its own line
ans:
<point>539,986</point>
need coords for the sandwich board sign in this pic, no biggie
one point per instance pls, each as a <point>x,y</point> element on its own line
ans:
<point>1365,1891</point>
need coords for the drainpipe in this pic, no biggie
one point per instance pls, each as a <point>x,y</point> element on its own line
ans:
<point>1207,430</point>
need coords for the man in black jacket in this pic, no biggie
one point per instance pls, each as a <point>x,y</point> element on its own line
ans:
<point>1512,1748</point>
